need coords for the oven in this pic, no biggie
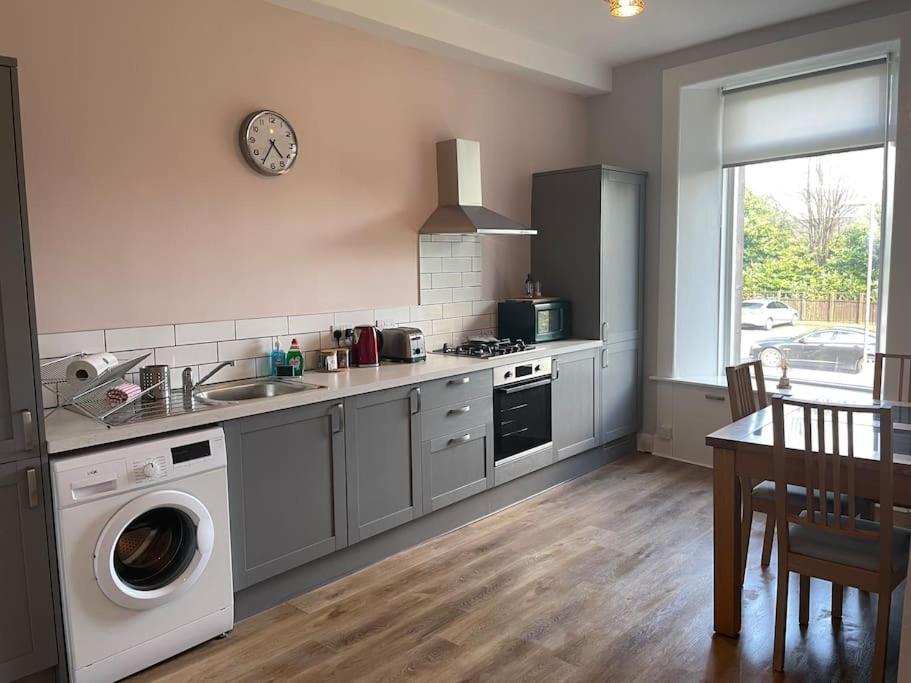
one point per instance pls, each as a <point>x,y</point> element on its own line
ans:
<point>522,409</point>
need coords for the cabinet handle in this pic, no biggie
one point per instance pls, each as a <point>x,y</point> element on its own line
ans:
<point>459,411</point>
<point>416,400</point>
<point>604,332</point>
<point>31,476</point>
<point>714,397</point>
<point>338,418</point>
<point>459,439</point>
<point>28,430</point>
<point>555,369</point>
<point>461,380</point>
<point>605,358</point>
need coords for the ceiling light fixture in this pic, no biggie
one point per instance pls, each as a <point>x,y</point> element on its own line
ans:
<point>626,8</point>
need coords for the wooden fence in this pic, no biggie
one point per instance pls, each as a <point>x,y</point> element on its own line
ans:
<point>834,309</point>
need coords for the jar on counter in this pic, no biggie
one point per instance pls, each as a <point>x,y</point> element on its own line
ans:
<point>328,360</point>
<point>344,357</point>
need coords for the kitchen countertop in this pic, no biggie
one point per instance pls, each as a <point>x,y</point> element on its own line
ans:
<point>68,431</point>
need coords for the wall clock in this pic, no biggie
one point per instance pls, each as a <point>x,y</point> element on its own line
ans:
<point>268,142</point>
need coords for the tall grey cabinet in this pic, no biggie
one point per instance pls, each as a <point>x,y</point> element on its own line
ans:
<point>589,250</point>
<point>28,642</point>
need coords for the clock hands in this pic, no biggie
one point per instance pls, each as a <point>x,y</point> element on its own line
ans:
<point>268,151</point>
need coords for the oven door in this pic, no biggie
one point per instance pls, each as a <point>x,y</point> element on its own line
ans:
<point>521,418</point>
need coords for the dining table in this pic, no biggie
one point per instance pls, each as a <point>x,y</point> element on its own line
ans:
<point>744,449</point>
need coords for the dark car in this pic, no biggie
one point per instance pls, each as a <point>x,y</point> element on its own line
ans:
<point>832,348</point>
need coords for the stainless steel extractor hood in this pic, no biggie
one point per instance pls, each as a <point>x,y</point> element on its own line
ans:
<point>459,182</point>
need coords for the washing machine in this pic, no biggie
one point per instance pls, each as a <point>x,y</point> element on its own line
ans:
<point>144,549</point>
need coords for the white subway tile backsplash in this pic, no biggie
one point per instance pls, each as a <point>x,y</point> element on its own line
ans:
<point>196,333</point>
<point>436,296</point>
<point>471,238</point>
<point>426,238</point>
<point>447,325</point>
<point>421,313</point>
<point>263,366</point>
<point>455,265</point>
<point>126,338</point>
<point>447,237</point>
<point>439,280</point>
<point>466,249</point>
<point>435,342</point>
<point>396,314</point>
<point>471,279</point>
<point>476,264</point>
<point>262,327</point>
<point>66,343</point>
<point>318,322</point>
<point>177,376</point>
<point>442,249</point>
<point>192,354</point>
<point>465,294</point>
<point>308,342</point>
<point>431,265</point>
<point>243,369</point>
<point>482,307</point>
<point>458,310</point>
<point>245,348</point>
<point>425,281</point>
<point>366,316</point>
<point>477,322</point>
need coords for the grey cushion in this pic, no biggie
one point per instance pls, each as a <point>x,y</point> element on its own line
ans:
<point>797,495</point>
<point>850,550</point>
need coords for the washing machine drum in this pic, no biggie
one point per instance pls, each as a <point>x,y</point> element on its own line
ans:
<point>153,549</point>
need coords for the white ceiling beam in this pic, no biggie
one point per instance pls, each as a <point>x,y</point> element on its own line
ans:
<point>429,27</point>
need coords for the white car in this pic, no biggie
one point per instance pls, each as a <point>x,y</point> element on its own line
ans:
<point>767,313</point>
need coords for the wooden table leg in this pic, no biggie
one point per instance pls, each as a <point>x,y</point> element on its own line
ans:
<point>728,572</point>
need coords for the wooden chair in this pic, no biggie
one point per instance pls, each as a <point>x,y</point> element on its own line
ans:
<point>878,368</point>
<point>837,546</point>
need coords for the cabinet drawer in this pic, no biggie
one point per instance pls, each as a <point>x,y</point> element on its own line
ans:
<point>456,466</point>
<point>457,417</point>
<point>444,392</point>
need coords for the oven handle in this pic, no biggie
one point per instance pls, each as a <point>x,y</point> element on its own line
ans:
<point>524,387</point>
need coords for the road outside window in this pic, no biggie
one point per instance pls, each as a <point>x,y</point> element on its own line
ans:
<point>811,231</point>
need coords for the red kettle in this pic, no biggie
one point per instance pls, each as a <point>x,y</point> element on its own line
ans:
<point>365,348</point>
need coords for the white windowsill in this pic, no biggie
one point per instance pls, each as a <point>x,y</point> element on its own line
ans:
<point>798,389</point>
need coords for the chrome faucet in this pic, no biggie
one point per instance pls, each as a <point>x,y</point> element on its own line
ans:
<point>188,377</point>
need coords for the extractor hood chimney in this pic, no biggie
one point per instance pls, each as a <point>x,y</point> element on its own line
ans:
<point>459,182</point>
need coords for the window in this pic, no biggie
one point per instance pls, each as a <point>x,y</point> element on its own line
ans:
<point>804,194</point>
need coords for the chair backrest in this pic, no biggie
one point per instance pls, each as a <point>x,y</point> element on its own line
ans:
<point>740,389</point>
<point>828,467</point>
<point>878,369</point>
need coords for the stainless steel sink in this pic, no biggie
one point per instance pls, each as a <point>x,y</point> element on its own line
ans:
<point>251,389</point>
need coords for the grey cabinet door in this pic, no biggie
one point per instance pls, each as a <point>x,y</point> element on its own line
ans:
<point>576,403</point>
<point>623,206</point>
<point>27,637</point>
<point>619,390</point>
<point>383,459</point>
<point>286,478</point>
<point>457,466</point>
<point>18,396</point>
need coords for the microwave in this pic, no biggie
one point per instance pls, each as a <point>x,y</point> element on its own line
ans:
<point>534,320</point>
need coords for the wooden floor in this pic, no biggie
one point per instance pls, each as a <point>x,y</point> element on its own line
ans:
<point>606,578</point>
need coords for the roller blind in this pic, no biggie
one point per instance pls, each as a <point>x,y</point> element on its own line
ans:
<point>836,110</point>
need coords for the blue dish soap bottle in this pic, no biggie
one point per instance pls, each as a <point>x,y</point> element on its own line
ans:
<point>278,358</point>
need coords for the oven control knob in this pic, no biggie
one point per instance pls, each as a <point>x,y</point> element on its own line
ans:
<point>537,368</point>
<point>150,469</point>
<point>507,374</point>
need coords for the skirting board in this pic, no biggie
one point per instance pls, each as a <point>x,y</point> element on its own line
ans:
<point>645,443</point>
<point>295,582</point>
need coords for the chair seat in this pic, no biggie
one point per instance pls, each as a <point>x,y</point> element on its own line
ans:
<point>850,550</point>
<point>797,495</point>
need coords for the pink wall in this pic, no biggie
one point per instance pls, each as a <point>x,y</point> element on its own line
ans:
<point>143,212</point>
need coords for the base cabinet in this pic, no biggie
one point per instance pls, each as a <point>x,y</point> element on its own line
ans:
<point>286,479</point>
<point>383,460</point>
<point>457,466</point>
<point>576,403</point>
<point>619,390</point>
<point>27,639</point>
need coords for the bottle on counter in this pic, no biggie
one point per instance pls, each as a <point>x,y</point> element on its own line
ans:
<point>529,286</point>
<point>295,358</point>
<point>278,358</point>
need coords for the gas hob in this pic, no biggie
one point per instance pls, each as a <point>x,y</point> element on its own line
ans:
<point>484,348</point>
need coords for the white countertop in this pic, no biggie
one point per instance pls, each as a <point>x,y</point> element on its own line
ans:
<point>69,431</point>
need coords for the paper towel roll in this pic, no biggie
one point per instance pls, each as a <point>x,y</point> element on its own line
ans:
<point>88,368</point>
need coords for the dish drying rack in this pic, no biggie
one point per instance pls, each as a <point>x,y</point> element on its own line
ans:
<point>91,398</point>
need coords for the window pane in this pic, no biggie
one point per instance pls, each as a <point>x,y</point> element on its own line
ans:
<point>810,266</point>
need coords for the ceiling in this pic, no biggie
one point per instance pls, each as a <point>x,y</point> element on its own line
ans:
<point>570,44</point>
<point>586,27</point>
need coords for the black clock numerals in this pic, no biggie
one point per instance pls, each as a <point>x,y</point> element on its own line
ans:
<point>268,144</point>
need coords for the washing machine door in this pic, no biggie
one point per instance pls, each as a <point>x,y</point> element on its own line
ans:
<point>154,549</point>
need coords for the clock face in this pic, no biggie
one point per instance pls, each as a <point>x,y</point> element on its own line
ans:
<point>268,142</point>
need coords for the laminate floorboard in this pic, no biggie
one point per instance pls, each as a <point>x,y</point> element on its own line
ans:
<point>605,578</point>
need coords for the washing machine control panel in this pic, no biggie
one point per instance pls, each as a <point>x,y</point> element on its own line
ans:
<point>149,468</point>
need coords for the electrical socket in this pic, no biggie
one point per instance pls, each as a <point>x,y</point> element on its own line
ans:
<point>665,432</point>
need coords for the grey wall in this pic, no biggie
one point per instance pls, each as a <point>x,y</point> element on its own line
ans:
<point>626,131</point>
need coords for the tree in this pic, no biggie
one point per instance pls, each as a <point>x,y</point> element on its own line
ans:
<point>828,209</point>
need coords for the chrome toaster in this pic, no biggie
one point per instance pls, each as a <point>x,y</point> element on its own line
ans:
<point>403,344</point>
